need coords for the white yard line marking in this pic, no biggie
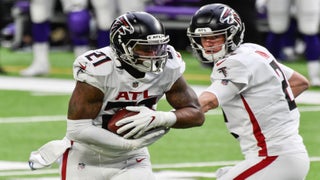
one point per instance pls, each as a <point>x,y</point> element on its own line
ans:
<point>309,108</point>
<point>63,117</point>
<point>207,164</point>
<point>37,84</point>
<point>166,174</point>
<point>32,119</point>
<point>39,172</point>
<point>182,175</point>
<point>66,86</point>
<point>301,109</point>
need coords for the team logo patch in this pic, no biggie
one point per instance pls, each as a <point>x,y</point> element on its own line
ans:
<point>83,67</point>
<point>223,70</point>
<point>122,25</point>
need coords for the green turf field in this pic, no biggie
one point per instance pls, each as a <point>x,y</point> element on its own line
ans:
<point>202,149</point>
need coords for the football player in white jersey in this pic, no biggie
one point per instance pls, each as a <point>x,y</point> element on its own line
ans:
<point>135,71</point>
<point>256,94</point>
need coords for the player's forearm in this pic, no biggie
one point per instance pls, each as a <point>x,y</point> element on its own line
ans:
<point>298,84</point>
<point>208,101</point>
<point>188,117</point>
<point>84,132</point>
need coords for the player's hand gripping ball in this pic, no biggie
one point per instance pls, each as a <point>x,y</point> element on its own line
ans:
<point>122,113</point>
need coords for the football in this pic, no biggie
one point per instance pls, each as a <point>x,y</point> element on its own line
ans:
<point>122,113</point>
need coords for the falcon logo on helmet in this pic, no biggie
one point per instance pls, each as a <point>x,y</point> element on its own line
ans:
<point>229,16</point>
<point>122,25</point>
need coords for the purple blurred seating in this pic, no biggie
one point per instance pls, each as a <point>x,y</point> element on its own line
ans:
<point>173,13</point>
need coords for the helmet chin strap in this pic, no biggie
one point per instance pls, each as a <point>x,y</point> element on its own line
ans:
<point>214,57</point>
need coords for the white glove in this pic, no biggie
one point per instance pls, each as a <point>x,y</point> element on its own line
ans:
<point>83,131</point>
<point>145,120</point>
<point>48,153</point>
<point>148,139</point>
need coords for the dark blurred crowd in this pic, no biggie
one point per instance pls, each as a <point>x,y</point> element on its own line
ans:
<point>281,28</point>
<point>12,10</point>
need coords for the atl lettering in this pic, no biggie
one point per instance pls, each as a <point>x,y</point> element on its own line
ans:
<point>132,95</point>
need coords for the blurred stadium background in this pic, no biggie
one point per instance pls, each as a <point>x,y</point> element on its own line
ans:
<point>33,110</point>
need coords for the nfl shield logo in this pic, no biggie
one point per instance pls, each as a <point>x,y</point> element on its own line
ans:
<point>135,84</point>
<point>81,166</point>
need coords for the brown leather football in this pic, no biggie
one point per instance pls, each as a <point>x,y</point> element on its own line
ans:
<point>122,113</point>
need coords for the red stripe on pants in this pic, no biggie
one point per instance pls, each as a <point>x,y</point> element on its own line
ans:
<point>262,164</point>
<point>64,164</point>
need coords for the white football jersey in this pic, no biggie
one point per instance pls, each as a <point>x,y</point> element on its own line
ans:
<point>260,112</point>
<point>99,69</point>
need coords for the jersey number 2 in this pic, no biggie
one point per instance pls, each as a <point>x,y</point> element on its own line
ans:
<point>285,85</point>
